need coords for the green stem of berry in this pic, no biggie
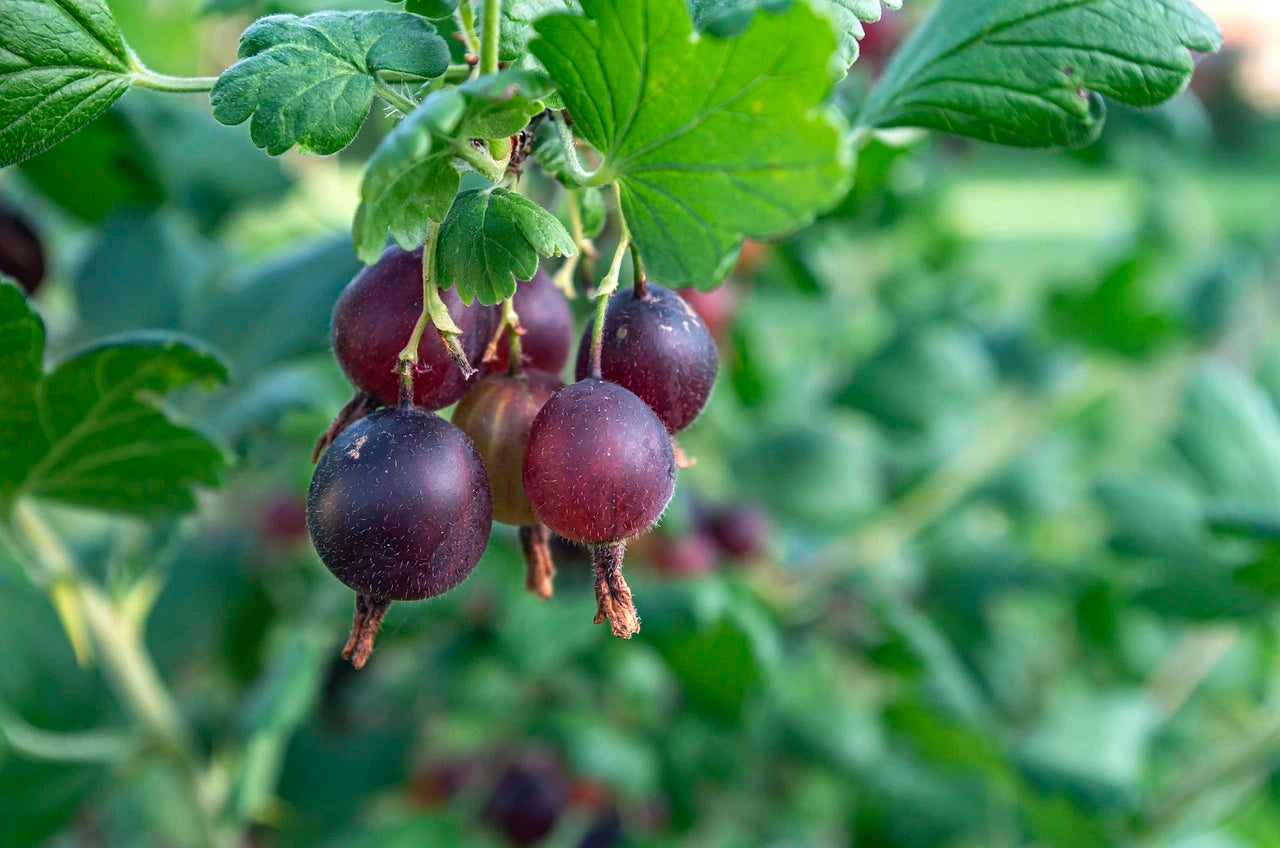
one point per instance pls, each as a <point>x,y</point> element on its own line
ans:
<point>607,287</point>
<point>435,312</point>
<point>511,320</point>
<point>489,36</point>
<point>467,26</point>
<point>484,164</point>
<point>147,78</point>
<point>572,164</point>
<point>641,280</point>
<point>564,274</point>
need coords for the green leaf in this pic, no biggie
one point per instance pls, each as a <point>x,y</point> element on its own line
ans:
<point>411,178</point>
<point>434,9</point>
<point>493,237</point>
<point>113,155</point>
<point>709,140</point>
<point>1032,72</point>
<point>518,17</point>
<point>62,63</point>
<point>728,17</point>
<point>138,272</point>
<point>91,432</point>
<point>1230,435</point>
<point>310,81</point>
<point>500,105</point>
<point>21,349</point>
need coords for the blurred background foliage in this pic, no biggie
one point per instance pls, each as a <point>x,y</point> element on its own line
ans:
<point>1003,428</point>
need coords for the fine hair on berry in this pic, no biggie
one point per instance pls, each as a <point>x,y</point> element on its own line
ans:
<point>599,466</point>
<point>399,509</point>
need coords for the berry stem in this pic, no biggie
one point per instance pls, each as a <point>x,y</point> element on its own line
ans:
<point>508,328</point>
<point>613,595</point>
<point>489,36</point>
<point>467,26</point>
<point>512,322</point>
<point>641,284</point>
<point>608,286</point>
<point>535,544</point>
<point>435,312</point>
<point>586,250</point>
<point>358,407</point>
<point>572,164</point>
<point>402,103</point>
<point>597,335</point>
<point>364,629</point>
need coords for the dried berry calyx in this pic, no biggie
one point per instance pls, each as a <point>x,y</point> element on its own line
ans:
<point>399,509</point>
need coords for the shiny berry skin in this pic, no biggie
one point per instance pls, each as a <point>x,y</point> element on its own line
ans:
<point>599,465</point>
<point>21,253</point>
<point>497,413</point>
<point>715,308</point>
<point>548,327</point>
<point>399,506</point>
<point>372,322</point>
<point>656,346</point>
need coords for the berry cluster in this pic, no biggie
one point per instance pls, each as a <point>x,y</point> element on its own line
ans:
<point>402,501</point>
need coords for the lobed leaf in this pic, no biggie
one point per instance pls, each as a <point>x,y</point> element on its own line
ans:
<point>310,81</point>
<point>62,63</point>
<point>91,432</point>
<point>708,139</point>
<point>411,178</point>
<point>492,238</point>
<point>1033,72</point>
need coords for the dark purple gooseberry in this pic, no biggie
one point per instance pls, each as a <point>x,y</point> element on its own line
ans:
<point>656,346</point>
<point>374,318</point>
<point>547,323</point>
<point>599,466</point>
<point>21,253</point>
<point>399,509</point>
<point>526,803</point>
